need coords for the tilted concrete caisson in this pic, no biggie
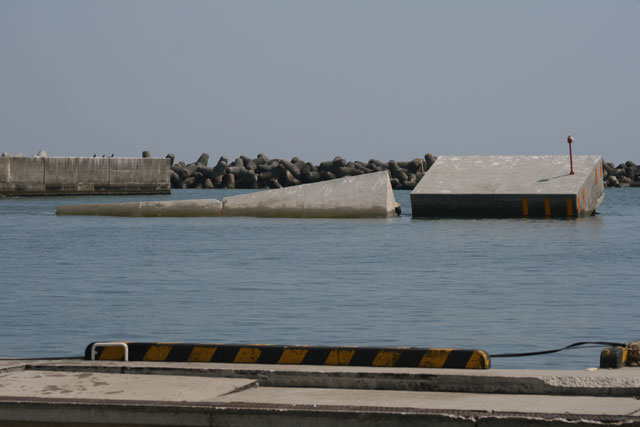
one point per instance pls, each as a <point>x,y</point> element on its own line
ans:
<point>510,187</point>
<point>361,196</point>
<point>368,195</point>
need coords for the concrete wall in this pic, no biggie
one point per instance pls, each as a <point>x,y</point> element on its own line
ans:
<point>50,176</point>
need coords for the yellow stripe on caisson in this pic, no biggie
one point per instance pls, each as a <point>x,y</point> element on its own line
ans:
<point>569,208</point>
<point>525,208</point>
<point>434,358</point>
<point>478,360</point>
<point>292,356</point>
<point>201,354</point>
<point>247,355</point>
<point>157,353</point>
<point>547,208</point>
<point>112,353</point>
<point>386,358</point>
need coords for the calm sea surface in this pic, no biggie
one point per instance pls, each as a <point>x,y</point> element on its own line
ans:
<point>500,285</point>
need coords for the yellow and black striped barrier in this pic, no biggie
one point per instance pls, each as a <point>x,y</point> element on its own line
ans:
<point>296,355</point>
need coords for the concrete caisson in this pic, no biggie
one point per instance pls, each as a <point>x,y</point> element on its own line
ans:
<point>359,196</point>
<point>510,187</point>
<point>364,196</point>
<point>181,208</point>
<point>175,208</point>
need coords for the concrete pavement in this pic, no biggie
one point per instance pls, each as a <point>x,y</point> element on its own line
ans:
<point>78,392</point>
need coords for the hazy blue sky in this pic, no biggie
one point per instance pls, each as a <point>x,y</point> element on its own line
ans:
<point>315,79</point>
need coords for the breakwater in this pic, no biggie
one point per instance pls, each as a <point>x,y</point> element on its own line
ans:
<point>57,176</point>
<point>263,172</point>
<point>624,175</point>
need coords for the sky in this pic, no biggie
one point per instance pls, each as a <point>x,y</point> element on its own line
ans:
<point>316,79</point>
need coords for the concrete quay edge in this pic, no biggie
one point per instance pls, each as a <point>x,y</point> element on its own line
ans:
<point>62,413</point>
<point>623,382</point>
<point>77,392</point>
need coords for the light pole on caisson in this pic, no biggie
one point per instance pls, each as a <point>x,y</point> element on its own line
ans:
<point>570,140</point>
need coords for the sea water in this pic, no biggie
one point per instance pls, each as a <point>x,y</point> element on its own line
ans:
<point>507,285</point>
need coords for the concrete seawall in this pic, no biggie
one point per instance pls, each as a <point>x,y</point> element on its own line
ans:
<point>78,393</point>
<point>53,176</point>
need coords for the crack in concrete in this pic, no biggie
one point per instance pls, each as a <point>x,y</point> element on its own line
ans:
<point>254,384</point>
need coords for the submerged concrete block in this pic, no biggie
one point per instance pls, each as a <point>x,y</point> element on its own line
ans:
<point>368,195</point>
<point>352,197</point>
<point>509,186</point>
<point>181,208</point>
<point>174,208</point>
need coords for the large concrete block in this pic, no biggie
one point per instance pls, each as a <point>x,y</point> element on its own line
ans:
<point>285,202</point>
<point>509,186</point>
<point>368,195</point>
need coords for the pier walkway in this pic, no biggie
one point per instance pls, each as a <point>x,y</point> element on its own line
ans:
<point>74,392</point>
